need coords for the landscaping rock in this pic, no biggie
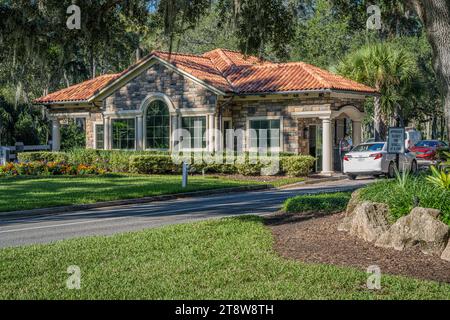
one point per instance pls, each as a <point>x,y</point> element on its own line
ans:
<point>346,222</point>
<point>419,228</point>
<point>446,254</point>
<point>354,201</point>
<point>368,221</point>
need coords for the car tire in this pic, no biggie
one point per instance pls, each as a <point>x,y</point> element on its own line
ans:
<point>414,167</point>
<point>351,176</point>
<point>391,171</point>
<point>376,176</point>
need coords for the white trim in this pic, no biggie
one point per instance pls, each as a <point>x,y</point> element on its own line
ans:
<point>351,111</point>
<point>71,115</point>
<point>207,127</point>
<point>247,134</point>
<point>135,131</point>
<point>312,114</point>
<point>143,111</point>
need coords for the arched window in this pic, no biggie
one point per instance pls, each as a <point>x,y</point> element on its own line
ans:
<point>157,122</point>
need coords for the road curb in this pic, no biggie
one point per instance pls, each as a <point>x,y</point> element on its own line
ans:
<point>107,204</point>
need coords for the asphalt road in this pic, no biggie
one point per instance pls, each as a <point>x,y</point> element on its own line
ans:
<point>107,221</point>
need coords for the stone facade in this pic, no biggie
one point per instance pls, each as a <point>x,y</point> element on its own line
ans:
<point>183,92</point>
<point>93,119</point>
<point>295,139</point>
<point>188,97</point>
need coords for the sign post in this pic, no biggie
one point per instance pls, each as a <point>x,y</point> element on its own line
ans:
<point>396,143</point>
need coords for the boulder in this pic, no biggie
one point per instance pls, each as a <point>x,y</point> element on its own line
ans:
<point>368,221</point>
<point>346,222</point>
<point>354,201</point>
<point>446,254</point>
<point>419,228</point>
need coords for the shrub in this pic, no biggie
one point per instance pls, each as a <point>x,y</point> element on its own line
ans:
<point>130,161</point>
<point>324,202</point>
<point>38,168</point>
<point>439,178</point>
<point>401,200</point>
<point>297,166</point>
<point>44,156</point>
<point>152,164</point>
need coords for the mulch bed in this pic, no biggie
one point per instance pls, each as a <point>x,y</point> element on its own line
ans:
<point>313,238</point>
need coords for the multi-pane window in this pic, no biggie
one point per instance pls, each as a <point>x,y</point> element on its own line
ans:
<point>269,130</point>
<point>123,133</point>
<point>157,121</point>
<point>196,126</point>
<point>99,136</point>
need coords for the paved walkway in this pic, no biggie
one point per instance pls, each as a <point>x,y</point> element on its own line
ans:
<point>107,221</point>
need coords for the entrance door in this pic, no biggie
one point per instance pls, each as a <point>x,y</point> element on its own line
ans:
<point>315,145</point>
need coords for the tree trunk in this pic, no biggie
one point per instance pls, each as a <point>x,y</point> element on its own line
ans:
<point>378,123</point>
<point>435,15</point>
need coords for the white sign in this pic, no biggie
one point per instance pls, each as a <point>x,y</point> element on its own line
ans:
<point>396,140</point>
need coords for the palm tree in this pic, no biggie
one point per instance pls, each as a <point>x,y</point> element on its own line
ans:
<point>387,68</point>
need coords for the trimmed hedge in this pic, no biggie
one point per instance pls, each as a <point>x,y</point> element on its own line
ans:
<point>147,162</point>
<point>323,202</point>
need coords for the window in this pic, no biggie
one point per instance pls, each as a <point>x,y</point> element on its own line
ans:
<point>197,128</point>
<point>272,135</point>
<point>157,120</point>
<point>369,147</point>
<point>99,136</point>
<point>123,134</point>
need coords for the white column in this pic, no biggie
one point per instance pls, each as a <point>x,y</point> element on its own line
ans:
<point>210,142</point>
<point>107,133</point>
<point>175,126</point>
<point>327,145</point>
<point>356,132</point>
<point>139,133</point>
<point>56,135</point>
<point>217,135</point>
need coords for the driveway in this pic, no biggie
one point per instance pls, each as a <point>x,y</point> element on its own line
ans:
<point>107,221</point>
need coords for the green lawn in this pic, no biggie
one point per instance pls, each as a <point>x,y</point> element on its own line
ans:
<point>221,259</point>
<point>18,193</point>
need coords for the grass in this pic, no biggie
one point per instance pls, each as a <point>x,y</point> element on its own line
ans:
<point>19,193</point>
<point>401,196</point>
<point>323,202</point>
<point>221,259</point>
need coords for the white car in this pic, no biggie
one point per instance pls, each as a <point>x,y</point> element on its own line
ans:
<point>372,159</point>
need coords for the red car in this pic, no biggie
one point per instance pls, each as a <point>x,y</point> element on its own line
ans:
<point>427,150</point>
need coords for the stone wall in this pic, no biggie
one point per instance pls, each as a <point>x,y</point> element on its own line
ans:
<point>183,92</point>
<point>90,121</point>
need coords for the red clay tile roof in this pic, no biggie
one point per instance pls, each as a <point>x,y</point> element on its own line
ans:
<point>79,92</point>
<point>230,72</point>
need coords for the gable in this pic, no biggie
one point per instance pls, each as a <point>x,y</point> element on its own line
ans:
<point>158,78</point>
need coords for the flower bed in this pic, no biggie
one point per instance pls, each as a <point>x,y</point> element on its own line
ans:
<point>41,168</point>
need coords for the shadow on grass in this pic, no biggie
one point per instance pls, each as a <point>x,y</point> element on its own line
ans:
<point>283,218</point>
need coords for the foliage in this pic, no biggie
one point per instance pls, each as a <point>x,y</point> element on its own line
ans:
<point>21,123</point>
<point>439,178</point>
<point>402,200</point>
<point>387,68</point>
<point>297,166</point>
<point>151,162</point>
<point>72,136</point>
<point>40,168</point>
<point>402,178</point>
<point>322,202</point>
